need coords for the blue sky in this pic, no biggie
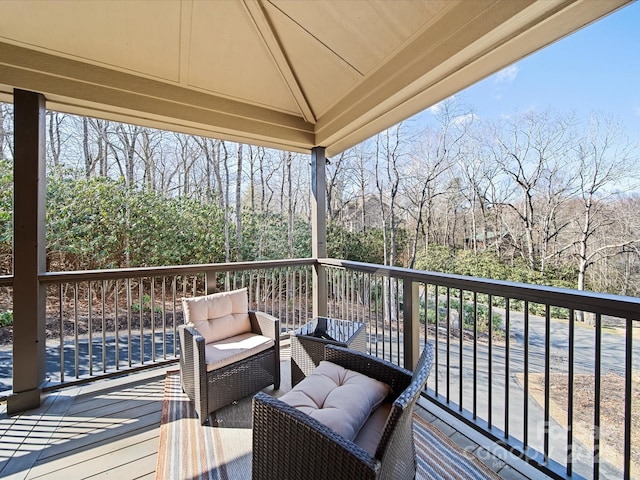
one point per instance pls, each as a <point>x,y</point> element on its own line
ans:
<point>597,69</point>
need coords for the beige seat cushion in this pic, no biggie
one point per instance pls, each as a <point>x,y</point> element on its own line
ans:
<point>371,432</point>
<point>219,315</point>
<point>339,398</point>
<point>231,350</point>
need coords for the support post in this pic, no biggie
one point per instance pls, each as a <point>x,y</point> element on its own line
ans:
<point>411,323</point>
<point>29,253</point>
<point>319,229</point>
<point>210,282</point>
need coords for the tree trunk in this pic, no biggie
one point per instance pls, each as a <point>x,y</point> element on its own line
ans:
<point>55,139</point>
<point>4,134</point>
<point>252,179</point>
<point>239,205</point>
<point>227,246</point>
<point>88,161</point>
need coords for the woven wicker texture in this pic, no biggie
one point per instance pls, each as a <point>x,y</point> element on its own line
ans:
<point>220,387</point>
<point>288,444</point>
<point>188,450</point>
<point>308,351</point>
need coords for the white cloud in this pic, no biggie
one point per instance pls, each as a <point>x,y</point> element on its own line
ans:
<point>435,109</point>
<point>520,111</point>
<point>507,75</point>
<point>462,119</point>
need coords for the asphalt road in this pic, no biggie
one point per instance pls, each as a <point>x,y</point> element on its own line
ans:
<point>482,396</point>
<point>94,360</point>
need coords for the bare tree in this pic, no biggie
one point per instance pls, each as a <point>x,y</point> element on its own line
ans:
<point>6,130</point>
<point>477,174</point>
<point>95,145</point>
<point>453,210</point>
<point>528,148</point>
<point>334,173</point>
<point>239,204</point>
<point>210,148</point>
<point>436,150</point>
<point>388,158</point>
<point>253,155</point>
<point>187,153</point>
<point>56,138</point>
<point>605,170</point>
<point>362,178</point>
<point>556,190</point>
<point>290,203</point>
<point>124,150</point>
<point>150,144</point>
<point>268,173</point>
<point>224,160</point>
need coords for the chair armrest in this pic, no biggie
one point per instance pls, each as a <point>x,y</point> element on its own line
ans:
<point>193,367</point>
<point>269,326</point>
<point>396,377</point>
<point>195,340</point>
<point>289,444</point>
<point>264,324</point>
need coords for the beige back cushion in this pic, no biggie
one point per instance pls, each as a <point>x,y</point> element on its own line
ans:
<point>219,315</point>
<point>341,399</point>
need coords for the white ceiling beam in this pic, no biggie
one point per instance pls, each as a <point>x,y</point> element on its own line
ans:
<point>256,11</point>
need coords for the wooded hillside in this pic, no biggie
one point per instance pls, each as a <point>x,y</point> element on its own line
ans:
<point>539,197</point>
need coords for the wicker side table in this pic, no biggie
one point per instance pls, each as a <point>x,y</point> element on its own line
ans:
<point>308,342</point>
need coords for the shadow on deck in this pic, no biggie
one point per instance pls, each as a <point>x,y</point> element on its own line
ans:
<point>111,428</point>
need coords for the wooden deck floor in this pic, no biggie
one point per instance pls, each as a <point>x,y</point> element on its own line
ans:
<point>111,429</point>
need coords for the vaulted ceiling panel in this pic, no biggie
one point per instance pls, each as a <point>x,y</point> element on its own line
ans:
<point>288,74</point>
<point>128,35</point>
<point>228,57</point>
<point>365,39</point>
<point>322,75</point>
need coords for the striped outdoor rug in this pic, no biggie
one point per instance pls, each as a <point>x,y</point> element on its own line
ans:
<point>188,450</point>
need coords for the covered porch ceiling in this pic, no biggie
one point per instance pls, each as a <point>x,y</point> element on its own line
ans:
<point>288,74</point>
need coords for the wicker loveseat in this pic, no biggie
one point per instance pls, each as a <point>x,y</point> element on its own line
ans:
<point>226,351</point>
<point>290,444</point>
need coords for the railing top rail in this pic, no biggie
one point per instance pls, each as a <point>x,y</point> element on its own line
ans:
<point>122,273</point>
<point>606,304</point>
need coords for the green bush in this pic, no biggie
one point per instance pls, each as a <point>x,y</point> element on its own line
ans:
<point>146,305</point>
<point>437,258</point>
<point>101,223</point>
<point>482,317</point>
<point>488,264</point>
<point>265,237</point>
<point>367,246</point>
<point>6,318</point>
<point>6,215</point>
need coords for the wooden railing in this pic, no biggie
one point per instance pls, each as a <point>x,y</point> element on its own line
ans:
<point>101,323</point>
<point>549,373</point>
<point>537,370</point>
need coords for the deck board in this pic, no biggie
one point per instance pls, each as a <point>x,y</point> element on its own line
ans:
<point>26,435</point>
<point>98,435</point>
<point>93,431</point>
<point>69,460</point>
<point>110,428</point>
<point>100,461</point>
<point>141,467</point>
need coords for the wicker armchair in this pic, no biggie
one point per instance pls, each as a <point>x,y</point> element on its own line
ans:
<point>289,444</point>
<point>213,377</point>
